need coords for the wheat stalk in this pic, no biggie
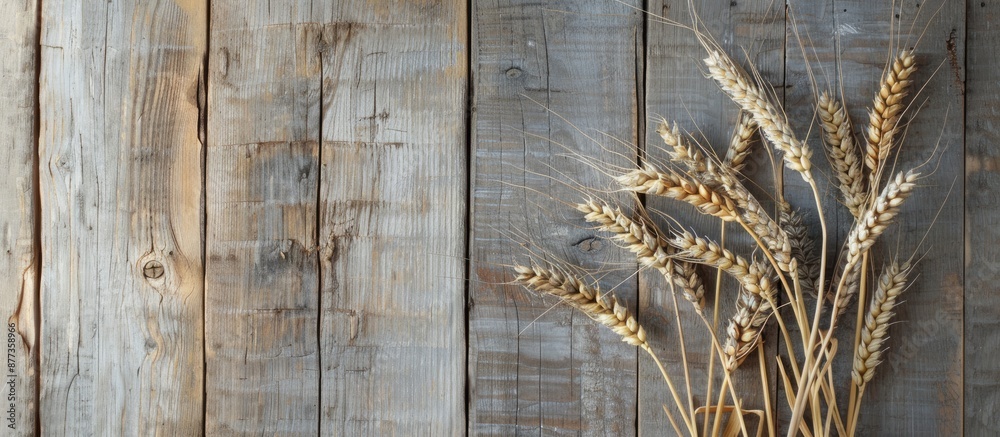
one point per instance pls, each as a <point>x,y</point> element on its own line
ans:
<point>883,119</point>
<point>844,153</point>
<point>643,239</point>
<point>891,284</point>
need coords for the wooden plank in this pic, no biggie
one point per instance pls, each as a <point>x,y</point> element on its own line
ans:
<point>392,219</point>
<point>917,390</point>
<point>982,180</point>
<point>676,90</point>
<point>120,163</point>
<point>18,203</point>
<point>534,368</point>
<point>811,30</point>
<point>262,269</point>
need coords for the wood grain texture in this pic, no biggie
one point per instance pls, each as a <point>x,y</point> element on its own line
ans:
<point>19,267</point>
<point>262,183</point>
<point>810,48</point>
<point>917,390</point>
<point>392,218</point>
<point>120,162</point>
<point>982,185</point>
<point>677,90</point>
<point>536,367</point>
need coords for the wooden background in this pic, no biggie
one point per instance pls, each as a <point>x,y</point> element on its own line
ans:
<point>297,217</point>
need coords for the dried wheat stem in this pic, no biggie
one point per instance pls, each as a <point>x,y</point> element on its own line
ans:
<point>766,114</point>
<point>739,147</point>
<point>880,214</point>
<point>883,119</point>
<point>679,150</point>
<point>891,284</point>
<point>650,180</point>
<point>606,311</point>
<point>643,239</point>
<point>844,154</point>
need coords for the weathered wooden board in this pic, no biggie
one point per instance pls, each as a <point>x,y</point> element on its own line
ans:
<point>262,183</point>
<point>536,367</point>
<point>918,388</point>
<point>18,215</point>
<point>392,218</point>
<point>120,178</point>
<point>982,207</point>
<point>677,90</point>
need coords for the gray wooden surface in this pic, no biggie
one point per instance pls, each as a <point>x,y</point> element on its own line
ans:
<point>19,263</point>
<point>534,368</point>
<point>119,177</point>
<point>298,217</point>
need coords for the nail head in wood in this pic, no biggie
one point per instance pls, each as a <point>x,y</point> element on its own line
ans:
<point>152,270</point>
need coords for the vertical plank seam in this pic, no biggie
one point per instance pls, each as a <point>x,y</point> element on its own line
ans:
<point>469,166</point>
<point>784,103</point>
<point>37,224</point>
<point>965,209</point>
<point>640,147</point>
<point>203,121</point>
<point>316,231</point>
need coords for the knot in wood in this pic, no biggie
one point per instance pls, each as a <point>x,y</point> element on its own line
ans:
<point>513,73</point>
<point>152,270</point>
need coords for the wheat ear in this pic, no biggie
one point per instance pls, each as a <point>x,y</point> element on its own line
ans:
<point>766,114</point>
<point>880,214</point>
<point>681,151</point>
<point>739,147</point>
<point>643,239</point>
<point>606,311</point>
<point>852,284</point>
<point>891,284</point>
<point>802,247</point>
<point>844,154</point>
<point>651,180</point>
<point>753,306</point>
<point>883,119</point>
